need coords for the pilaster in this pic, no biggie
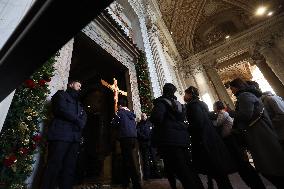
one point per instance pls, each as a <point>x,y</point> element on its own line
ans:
<point>267,72</point>
<point>218,85</point>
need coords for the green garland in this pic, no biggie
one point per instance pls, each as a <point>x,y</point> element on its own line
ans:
<point>20,135</point>
<point>144,84</point>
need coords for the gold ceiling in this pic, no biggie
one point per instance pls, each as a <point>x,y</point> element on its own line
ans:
<point>197,24</point>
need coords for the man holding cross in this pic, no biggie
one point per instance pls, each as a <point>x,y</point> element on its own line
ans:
<point>125,121</point>
<point>115,90</point>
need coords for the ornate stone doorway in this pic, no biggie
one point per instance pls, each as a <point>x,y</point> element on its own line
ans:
<point>100,159</point>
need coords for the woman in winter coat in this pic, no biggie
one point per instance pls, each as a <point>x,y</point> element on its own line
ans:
<point>246,171</point>
<point>209,153</point>
<point>275,108</point>
<point>252,121</point>
<point>172,139</point>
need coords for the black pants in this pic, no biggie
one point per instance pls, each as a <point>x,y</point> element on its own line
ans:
<point>61,165</point>
<point>223,181</point>
<point>130,170</point>
<point>177,163</point>
<point>246,171</point>
<point>145,156</point>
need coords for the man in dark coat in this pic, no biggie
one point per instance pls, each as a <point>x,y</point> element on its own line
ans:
<point>64,135</point>
<point>125,121</point>
<point>209,153</point>
<point>172,138</point>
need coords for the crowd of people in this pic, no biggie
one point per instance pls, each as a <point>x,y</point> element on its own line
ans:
<point>189,138</point>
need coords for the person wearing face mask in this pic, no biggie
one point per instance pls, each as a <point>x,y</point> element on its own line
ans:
<point>64,135</point>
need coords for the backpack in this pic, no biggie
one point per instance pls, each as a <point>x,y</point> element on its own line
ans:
<point>180,108</point>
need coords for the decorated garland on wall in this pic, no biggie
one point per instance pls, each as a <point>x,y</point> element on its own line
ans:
<point>20,135</point>
<point>144,85</point>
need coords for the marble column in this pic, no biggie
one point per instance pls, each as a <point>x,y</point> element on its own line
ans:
<point>219,86</point>
<point>274,59</point>
<point>268,73</point>
<point>280,45</point>
<point>189,80</point>
<point>160,60</point>
<point>206,90</point>
<point>178,74</point>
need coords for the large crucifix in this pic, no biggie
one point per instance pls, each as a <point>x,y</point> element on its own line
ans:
<point>115,90</point>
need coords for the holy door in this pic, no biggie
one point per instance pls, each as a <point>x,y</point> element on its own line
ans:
<point>99,159</point>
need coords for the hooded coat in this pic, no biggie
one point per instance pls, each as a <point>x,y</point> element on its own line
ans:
<point>275,108</point>
<point>259,136</point>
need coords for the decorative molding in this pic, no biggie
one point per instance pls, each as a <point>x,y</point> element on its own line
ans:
<point>264,34</point>
<point>98,35</point>
<point>239,69</point>
<point>184,18</point>
<point>62,67</point>
<point>139,9</point>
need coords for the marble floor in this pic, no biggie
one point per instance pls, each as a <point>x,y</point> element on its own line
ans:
<point>163,184</point>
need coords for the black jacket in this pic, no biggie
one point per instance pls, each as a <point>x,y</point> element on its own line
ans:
<point>125,121</point>
<point>69,117</point>
<point>169,128</point>
<point>210,155</point>
<point>144,131</point>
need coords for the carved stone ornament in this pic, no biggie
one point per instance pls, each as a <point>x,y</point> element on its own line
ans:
<point>262,36</point>
<point>95,33</point>
<point>256,56</point>
<point>183,18</point>
<point>241,69</point>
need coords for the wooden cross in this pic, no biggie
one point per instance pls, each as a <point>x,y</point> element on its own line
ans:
<point>115,90</point>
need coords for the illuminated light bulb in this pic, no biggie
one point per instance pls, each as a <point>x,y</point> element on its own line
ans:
<point>270,13</point>
<point>260,11</point>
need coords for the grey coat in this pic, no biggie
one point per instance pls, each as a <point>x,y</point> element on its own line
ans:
<point>261,140</point>
<point>275,108</point>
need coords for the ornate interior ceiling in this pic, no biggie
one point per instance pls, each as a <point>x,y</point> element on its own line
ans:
<point>198,24</point>
<point>241,69</point>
